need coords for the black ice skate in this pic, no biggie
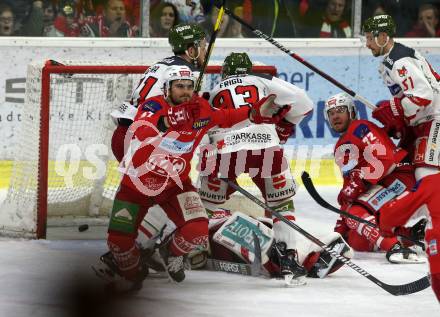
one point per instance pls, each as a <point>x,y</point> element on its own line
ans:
<point>174,265</point>
<point>401,255</point>
<point>152,259</point>
<point>293,273</point>
<point>108,271</point>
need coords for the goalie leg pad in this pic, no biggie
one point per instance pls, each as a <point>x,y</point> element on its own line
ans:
<point>236,234</point>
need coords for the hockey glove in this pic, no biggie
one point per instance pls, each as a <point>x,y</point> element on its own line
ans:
<point>284,130</point>
<point>265,111</point>
<point>182,117</point>
<point>390,114</point>
<point>353,188</point>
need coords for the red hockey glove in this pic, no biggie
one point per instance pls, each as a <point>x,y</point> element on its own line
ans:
<point>284,130</point>
<point>265,111</point>
<point>182,117</point>
<point>390,114</point>
<point>353,188</point>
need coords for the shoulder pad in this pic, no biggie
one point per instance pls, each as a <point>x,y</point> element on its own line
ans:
<point>361,130</point>
<point>151,106</point>
<point>262,75</point>
<point>175,60</point>
<point>399,51</point>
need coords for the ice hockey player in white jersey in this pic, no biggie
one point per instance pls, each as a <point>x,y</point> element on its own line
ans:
<point>245,148</point>
<point>413,112</point>
<point>188,42</point>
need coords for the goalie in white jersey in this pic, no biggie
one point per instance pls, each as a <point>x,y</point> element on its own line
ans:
<point>246,148</point>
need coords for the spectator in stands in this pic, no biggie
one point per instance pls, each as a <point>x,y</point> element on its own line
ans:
<point>229,27</point>
<point>41,19</point>
<point>66,23</point>
<point>162,18</point>
<point>111,23</point>
<point>327,19</point>
<point>404,12</point>
<point>132,9</point>
<point>6,20</point>
<point>333,23</point>
<point>235,27</point>
<point>190,11</point>
<point>427,25</point>
<point>20,9</point>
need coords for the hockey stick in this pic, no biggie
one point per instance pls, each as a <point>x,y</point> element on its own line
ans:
<point>308,184</point>
<point>210,46</point>
<point>300,59</point>
<point>396,290</point>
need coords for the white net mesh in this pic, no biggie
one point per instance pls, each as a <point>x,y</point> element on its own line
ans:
<point>82,176</point>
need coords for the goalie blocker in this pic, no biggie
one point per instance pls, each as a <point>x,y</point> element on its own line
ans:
<point>231,239</point>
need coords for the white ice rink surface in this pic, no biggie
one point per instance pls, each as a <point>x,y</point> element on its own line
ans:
<point>53,278</point>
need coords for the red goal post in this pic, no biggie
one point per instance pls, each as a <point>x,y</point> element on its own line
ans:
<point>55,144</point>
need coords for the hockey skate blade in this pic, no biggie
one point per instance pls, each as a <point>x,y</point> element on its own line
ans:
<point>290,281</point>
<point>398,258</point>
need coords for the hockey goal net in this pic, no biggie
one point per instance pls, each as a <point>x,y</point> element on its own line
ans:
<point>63,168</point>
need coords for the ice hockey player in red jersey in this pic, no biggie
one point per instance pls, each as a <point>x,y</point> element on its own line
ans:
<point>189,46</point>
<point>421,201</point>
<point>162,140</point>
<point>413,113</point>
<point>246,148</point>
<point>374,171</point>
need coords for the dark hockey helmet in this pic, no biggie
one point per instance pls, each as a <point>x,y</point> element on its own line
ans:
<point>236,64</point>
<point>182,35</point>
<point>380,23</point>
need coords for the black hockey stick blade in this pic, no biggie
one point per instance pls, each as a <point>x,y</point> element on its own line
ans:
<point>396,290</point>
<point>311,189</point>
<point>256,265</point>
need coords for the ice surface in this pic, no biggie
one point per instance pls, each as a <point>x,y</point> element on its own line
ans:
<point>53,278</point>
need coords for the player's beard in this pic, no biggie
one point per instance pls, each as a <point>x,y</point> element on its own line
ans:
<point>343,126</point>
<point>181,99</point>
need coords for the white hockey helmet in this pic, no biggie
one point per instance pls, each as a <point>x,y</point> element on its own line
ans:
<point>177,72</point>
<point>340,100</point>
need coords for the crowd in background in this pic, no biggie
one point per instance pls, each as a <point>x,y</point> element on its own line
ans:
<point>277,18</point>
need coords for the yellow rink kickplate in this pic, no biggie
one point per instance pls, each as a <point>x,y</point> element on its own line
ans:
<point>323,172</point>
